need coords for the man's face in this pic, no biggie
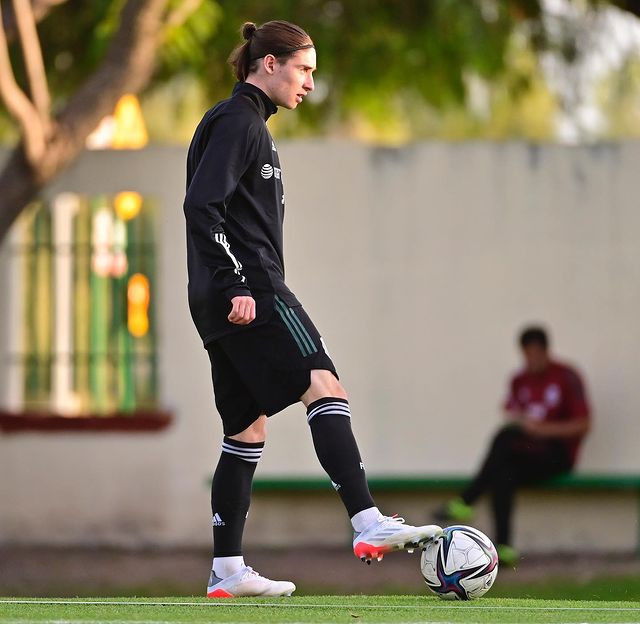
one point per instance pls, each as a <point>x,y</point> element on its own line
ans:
<point>536,358</point>
<point>291,81</point>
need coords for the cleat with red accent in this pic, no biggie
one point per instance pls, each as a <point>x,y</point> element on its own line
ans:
<point>219,593</point>
<point>247,582</point>
<point>389,534</point>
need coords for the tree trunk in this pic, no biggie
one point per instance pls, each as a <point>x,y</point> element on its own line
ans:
<point>127,68</point>
<point>18,186</point>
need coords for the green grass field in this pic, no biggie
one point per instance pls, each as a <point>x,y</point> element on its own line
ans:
<point>312,609</point>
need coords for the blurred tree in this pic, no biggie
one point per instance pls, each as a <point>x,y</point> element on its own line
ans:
<point>387,70</point>
<point>619,98</point>
<point>391,71</point>
<point>87,76</point>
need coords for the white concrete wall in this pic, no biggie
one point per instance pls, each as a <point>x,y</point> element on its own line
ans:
<point>419,266</point>
<point>544,521</point>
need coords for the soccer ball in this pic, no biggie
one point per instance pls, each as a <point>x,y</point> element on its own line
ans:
<point>461,564</point>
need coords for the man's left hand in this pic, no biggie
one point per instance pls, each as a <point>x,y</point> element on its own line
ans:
<point>533,428</point>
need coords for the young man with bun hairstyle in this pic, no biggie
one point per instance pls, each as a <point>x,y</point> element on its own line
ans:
<point>265,352</point>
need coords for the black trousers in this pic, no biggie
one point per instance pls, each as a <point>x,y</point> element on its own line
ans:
<point>514,459</point>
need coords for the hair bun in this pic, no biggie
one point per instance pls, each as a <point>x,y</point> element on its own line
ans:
<point>248,29</point>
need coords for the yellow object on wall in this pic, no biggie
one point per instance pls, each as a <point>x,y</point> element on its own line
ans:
<point>130,131</point>
<point>138,296</point>
<point>127,205</point>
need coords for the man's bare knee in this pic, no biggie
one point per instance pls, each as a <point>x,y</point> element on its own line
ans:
<point>323,384</point>
<point>255,432</point>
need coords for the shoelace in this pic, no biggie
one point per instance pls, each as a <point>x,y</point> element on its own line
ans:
<point>394,518</point>
<point>249,572</point>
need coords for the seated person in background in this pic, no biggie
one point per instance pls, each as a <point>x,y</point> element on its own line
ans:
<point>547,417</point>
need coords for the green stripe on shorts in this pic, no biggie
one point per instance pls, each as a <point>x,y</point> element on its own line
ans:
<point>295,327</point>
<point>312,348</point>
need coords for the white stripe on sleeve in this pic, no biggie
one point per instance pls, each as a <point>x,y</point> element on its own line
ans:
<point>221,238</point>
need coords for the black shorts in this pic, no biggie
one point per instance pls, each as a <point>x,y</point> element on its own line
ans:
<point>264,369</point>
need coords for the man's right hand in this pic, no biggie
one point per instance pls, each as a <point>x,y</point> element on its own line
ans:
<point>243,310</point>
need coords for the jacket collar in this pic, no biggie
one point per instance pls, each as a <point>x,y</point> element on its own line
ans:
<point>263,103</point>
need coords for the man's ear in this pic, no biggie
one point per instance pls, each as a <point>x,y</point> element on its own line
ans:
<point>269,62</point>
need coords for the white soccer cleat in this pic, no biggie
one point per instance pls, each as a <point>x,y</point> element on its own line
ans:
<point>389,534</point>
<point>247,582</point>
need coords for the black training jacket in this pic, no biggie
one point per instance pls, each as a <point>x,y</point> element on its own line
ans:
<point>234,207</point>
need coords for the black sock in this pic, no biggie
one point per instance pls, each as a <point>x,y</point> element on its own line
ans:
<point>231,494</point>
<point>337,450</point>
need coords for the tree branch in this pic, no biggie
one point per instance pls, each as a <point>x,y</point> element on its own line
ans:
<point>19,105</point>
<point>40,10</point>
<point>33,61</point>
<point>127,68</point>
<point>181,13</point>
<point>632,6</point>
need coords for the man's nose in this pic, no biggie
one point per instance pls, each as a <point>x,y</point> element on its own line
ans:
<point>308,84</point>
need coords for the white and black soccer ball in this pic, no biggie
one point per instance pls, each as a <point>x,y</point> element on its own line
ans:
<point>460,565</point>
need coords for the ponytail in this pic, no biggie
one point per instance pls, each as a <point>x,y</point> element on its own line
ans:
<point>280,38</point>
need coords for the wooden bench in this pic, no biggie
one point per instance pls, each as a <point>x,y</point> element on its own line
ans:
<point>415,484</point>
<point>446,482</point>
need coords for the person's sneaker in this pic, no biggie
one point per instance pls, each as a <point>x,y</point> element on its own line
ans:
<point>456,510</point>
<point>507,555</point>
<point>389,534</point>
<point>247,582</point>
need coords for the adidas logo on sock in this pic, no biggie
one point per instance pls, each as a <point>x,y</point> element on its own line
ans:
<point>217,520</point>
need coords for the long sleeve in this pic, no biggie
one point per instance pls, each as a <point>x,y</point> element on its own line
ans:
<point>577,402</point>
<point>228,147</point>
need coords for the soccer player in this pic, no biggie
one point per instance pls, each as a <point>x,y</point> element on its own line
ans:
<point>265,352</point>
<point>547,415</point>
